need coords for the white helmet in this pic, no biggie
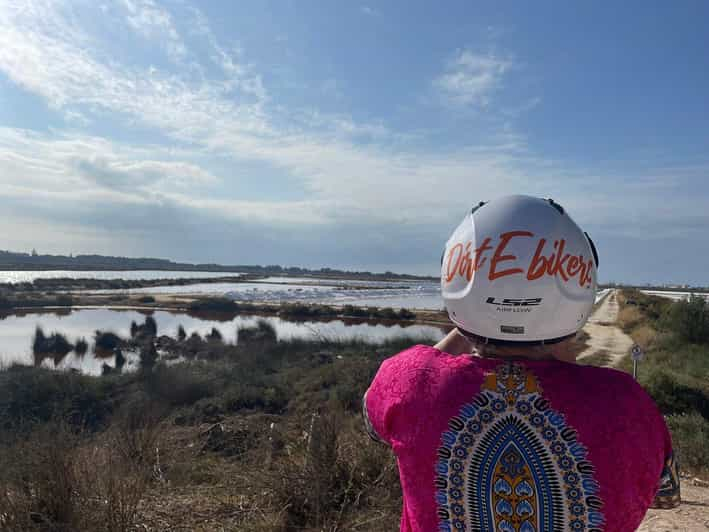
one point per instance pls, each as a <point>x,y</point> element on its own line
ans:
<point>519,269</point>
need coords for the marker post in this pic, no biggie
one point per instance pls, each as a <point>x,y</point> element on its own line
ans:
<point>637,355</point>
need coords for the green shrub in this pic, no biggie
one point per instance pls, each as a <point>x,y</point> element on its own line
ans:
<point>387,313</point>
<point>271,399</point>
<point>107,341</point>
<point>214,336</point>
<point>179,385</point>
<point>406,314</point>
<point>150,326</point>
<point>674,395</point>
<point>214,304</point>
<point>32,395</point>
<point>263,331</point>
<point>81,346</point>
<point>56,344</point>
<point>690,434</point>
<point>148,356</point>
<point>689,320</point>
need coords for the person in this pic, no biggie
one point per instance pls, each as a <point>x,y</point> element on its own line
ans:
<point>496,427</point>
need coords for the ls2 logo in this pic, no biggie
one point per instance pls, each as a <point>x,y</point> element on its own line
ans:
<point>512,302</point>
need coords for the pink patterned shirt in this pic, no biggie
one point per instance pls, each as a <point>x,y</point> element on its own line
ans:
<point>519,445</point>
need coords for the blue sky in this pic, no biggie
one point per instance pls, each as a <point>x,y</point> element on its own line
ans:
<point>352,135</point>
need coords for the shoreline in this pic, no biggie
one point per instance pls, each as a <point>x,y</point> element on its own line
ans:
<point>197,305</point>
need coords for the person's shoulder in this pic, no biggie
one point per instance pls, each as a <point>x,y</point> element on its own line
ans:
<point>613,381</point>
<point>415,356</point>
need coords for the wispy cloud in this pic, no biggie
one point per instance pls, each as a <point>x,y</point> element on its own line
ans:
<point>351,176</point>
<point>153,22</point>
<point>369,11</point>
<point>471,78</point>
<point>346,179</point>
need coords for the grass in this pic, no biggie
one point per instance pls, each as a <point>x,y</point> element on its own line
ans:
<point>599,359</point>
<point>265,436</point>
<point>675,371</point>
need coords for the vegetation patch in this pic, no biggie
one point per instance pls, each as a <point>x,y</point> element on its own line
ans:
<point>265,435</point>
<point>675,370</point>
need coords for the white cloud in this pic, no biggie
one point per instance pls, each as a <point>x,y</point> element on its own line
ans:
<point>369,11</point>
<point>62,165</point>
<point>152,22</point>
<point>471,78</point>
<point>343,180</point>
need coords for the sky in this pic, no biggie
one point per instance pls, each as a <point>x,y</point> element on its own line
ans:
<point>352,135</point>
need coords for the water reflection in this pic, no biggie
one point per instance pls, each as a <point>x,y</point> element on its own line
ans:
<point>17,332</point>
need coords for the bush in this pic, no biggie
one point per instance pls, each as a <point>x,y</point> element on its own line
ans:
<point>263,331</point>
<point>689,320</point>
<point>148,356</point>
<point>56,344</point>
<point>690,434</point>
<point>107,341</point>
<point>629,317</point>
<point>181,334</point>
<point>645,336</point>
<point>270,399</point>
<point>214,304</point>
<point>56,482</point>
<point>356,312</point>
<point>673,396</point>
<point>334,476</point>
<point>32,395</point>
<point>214,336</point>
<point>150,326</point>
<point>179,385</point>
<point>40,489</point>
<point>406,314</point>
<point>387,313</point>
<point>81,346</point>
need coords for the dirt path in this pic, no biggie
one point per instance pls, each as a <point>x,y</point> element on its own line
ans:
<point>692,515</point>
<point>606,338</point>
<point>608,341</point>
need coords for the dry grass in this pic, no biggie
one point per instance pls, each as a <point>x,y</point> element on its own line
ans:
<point>629,317</point>
<point>58,480</point>
<point>601,358</point>
<point>645,336</point>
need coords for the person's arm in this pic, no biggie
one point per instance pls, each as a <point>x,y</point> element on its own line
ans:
<point>454,343</point>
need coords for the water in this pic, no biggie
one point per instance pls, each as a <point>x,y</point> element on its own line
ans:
<point>675,295</point>
<point>15,277</point>
<point>419,294</point>
<point>17,332</point>
<point>405,294</point>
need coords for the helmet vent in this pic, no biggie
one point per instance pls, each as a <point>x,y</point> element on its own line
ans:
<point>593,248</point>
<point>477,207</point>
<point>556,205</point>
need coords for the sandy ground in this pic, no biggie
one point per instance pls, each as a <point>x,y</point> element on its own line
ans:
<point>692,515</point>
<point>607,339</point>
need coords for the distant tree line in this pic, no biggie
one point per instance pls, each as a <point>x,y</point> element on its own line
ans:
<point>30,261</point>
